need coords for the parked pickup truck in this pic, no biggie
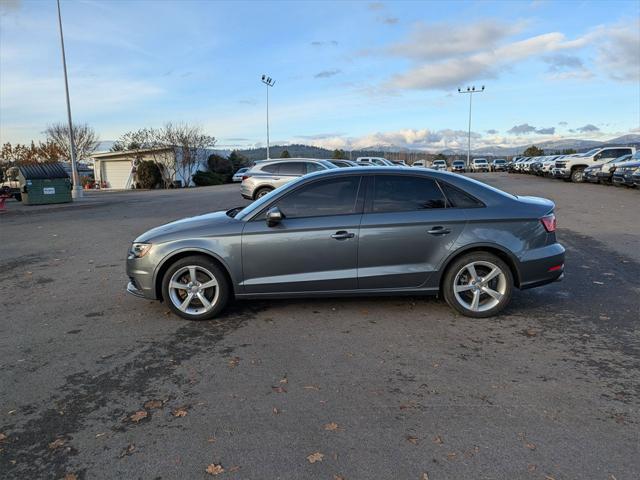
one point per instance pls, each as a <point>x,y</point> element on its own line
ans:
<point>571,168</point>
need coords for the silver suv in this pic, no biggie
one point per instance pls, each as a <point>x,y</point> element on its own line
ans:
<point>267,175</point>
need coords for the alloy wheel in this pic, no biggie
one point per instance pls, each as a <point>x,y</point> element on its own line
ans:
<point>193,290</point>
<point>480,286</point>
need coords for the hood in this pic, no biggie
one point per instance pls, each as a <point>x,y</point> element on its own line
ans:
<point>200,225</point>
<point>543,205</point>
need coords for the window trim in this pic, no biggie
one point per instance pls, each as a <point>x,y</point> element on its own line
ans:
<point>360,198</point>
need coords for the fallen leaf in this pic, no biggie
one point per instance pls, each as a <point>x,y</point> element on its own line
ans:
<point>315,457</point>
<point>279,389</point>
<point>234,362</point>
<point>152,404</point>
<point>530,332</point>
<point>311,387</point>
<point>57,443</point>
<point>338,477</point>
<point>211,439</point>
<point>214,469</point>
<point>530,446</point>
<point>235,468</point>
<point>438,440</point>
<point>136,417</point>
<point>128,450</point>
<point>284,380</point>
<point>179,412</point>
<point>549,477</point>
<point>70,476</point>
<point>451,455</point>
<point>2,437</point>
<point>412,439</point>
<point>331,426</point>
<point>275,411</point>
<point>531,467</point>
<point>425,476</point>
<point>98,435</point>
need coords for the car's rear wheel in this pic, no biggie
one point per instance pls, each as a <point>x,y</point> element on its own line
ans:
<point>478,284</point>
<point>261,192</point>
<point>195,288</point>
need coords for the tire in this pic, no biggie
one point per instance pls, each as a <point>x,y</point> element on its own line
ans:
<point>577,175</point>
<point>206,271</point>
<point>458,275</point>
<point>261,192</point>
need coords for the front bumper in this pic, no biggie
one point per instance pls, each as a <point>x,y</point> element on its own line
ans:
<point>561,173</point>
<point>140,272</point>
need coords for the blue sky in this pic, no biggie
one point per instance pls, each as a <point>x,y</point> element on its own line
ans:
<point>348,74</point>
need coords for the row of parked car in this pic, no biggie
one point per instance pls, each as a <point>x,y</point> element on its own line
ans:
<point>607,165</point>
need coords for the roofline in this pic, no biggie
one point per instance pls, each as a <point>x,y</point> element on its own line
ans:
<point>128,152</point>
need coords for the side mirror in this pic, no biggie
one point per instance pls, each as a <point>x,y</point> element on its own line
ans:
<point>274,216</point>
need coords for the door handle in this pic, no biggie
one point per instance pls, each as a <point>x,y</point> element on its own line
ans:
<point>439,231</point>
<point>343,235</point>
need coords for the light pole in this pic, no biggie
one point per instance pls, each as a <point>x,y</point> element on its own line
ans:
<point>470,91</point>
<point>76,192</point>
<point>269,82</point>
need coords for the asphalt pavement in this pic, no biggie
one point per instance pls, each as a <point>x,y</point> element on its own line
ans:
<point>103,385</point>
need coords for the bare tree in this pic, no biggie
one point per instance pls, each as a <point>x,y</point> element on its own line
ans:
<point>191,145</point>
<point>85,137</point>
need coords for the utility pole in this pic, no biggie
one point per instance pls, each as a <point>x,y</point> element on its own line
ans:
<point>76,192</point>
<point>269,82</point>
<point>470,91</point>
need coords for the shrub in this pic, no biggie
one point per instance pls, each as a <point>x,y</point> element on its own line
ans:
<point>203,179</point>
<point>148,174</point>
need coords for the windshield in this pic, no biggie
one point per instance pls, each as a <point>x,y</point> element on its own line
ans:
<point>590,153</point>
<point>480,160</point>
<point>499,161</point>
<point>439,162</point>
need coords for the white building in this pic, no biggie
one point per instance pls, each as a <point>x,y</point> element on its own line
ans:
<point>116,170</point>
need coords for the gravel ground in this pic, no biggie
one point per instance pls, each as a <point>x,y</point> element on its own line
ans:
<point>104,385</point>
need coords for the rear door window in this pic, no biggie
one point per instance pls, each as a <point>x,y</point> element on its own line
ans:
<point>293,168</point>
<point>273,168</point>
<point>396,193</point>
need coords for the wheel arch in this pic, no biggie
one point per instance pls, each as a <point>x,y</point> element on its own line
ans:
<point>497,250</point>
<point>262,187</point>
<point>170,259</point>
<point>580,165</point>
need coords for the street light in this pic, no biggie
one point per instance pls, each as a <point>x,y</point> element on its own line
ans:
<point>470,91</point>
<point>269,82</point>
<point>76,192</point>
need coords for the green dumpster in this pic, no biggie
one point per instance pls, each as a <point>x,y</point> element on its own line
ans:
<point>44,183</point>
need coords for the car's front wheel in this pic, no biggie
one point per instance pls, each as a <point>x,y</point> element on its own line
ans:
<point>577,175</point>
<point>478,284</point>
<point>195,288</point>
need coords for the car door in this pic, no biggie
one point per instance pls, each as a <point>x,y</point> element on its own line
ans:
<point>405,231</point>
<point>314,247</point>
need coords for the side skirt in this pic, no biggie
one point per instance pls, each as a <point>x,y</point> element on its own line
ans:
<point>342,293</point>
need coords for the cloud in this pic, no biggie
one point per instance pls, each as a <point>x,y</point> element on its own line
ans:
<point>376,6</point>
<point>588,128</point>
<point>389,20</point>
<point>619,51</point>
<point>525,128</point>
<point>320,136</point>
<point>324,43</point>
<point>546,131</point>
<point>492,131</point>
<point>248,101</point>
<point>563,124</point>
<point>561,61</point>
<point>452,39</point>
<point>474,52</point>
<point>327,73</point>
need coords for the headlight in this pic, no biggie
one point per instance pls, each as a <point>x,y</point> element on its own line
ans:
<point>139,250</point>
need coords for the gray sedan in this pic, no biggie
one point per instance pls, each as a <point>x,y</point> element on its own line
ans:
<point>355,231</point>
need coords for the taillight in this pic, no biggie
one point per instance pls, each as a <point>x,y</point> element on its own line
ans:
<point>549,222</point>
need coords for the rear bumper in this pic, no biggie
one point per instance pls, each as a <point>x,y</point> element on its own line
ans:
<point>542,266</point>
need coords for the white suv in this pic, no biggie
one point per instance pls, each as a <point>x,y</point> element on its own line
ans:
<point>571,168</point>
<point>267,175</point>
<point>379,161</point>
<point>479,165</point>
